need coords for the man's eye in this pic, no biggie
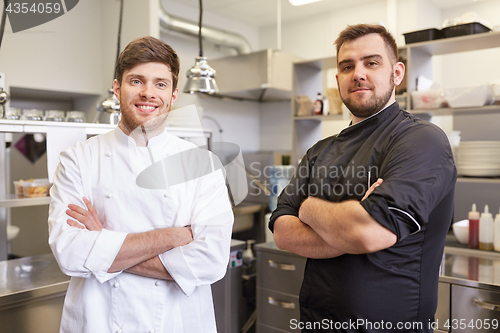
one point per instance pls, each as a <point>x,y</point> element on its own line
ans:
<point>346,68</point>
<point>162,85</point>
<point>136,81</point>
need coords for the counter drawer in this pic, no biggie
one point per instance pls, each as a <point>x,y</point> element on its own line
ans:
<point>473,308</point>
<point>277,309</point>
<point>268,329</point>
<point>279,272</point>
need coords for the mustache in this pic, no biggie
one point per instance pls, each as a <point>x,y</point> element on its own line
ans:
<point>361,85</point>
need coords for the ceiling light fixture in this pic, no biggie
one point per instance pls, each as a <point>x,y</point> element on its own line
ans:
<point>302,2</point>
<point>201,77</point>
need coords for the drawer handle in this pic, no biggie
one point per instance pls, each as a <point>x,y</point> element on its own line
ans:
<point>486,305</point>
<point>284,305</point>
<point>285,267</point>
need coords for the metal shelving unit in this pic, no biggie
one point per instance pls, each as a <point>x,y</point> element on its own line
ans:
<point>11,200</point>
<point>8,201</point>
<point>459,111</point>
<point>478,180</point>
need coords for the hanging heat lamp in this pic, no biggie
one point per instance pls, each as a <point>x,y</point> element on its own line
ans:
<point>201,77</point>
<point>109,109</point>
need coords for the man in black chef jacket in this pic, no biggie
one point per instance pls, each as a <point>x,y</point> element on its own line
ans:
<point>369,207</point>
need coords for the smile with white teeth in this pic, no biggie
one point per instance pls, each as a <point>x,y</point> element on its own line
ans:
<point>146,107</point>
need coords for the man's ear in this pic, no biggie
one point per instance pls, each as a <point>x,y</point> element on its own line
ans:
<point>399,73</point>
<point>175,95</point>
<point>116,89</point>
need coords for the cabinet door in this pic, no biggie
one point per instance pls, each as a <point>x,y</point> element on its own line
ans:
<point>474,310</point>
<point>268,329</point>
<point>277,309</point>
<point>283,273</point>
<point>443,307</point>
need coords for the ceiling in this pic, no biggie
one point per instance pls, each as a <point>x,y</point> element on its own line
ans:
<point>264,12</point>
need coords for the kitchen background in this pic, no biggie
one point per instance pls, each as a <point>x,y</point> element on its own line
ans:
<point>69,63</point>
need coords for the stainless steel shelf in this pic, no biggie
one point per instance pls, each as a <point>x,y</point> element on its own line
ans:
<point>473,42</point>
<point>11,201</point>
<point>464,251</point>
<point>321,63</point>
<point>459,111</point>
<point>30,126</point>
<point>478,180</point>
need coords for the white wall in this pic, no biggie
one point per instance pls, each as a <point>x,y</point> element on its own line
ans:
<point>140,18</point>
<point>63,54</point>
<point>275,126</point>
<point>313,37</point>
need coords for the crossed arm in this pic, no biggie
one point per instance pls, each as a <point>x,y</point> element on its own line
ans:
<point>326,229</point>
<point>139,252</point>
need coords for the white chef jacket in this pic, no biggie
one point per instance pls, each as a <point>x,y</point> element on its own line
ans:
<point>104,170</point>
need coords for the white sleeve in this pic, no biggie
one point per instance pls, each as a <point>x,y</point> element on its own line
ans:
<point>204,260</point>
<point>79,252</point>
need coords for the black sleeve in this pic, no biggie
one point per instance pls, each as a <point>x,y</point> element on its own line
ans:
<point>418,172</point>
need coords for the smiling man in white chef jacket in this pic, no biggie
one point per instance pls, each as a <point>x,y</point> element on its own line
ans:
<point>141,258</point>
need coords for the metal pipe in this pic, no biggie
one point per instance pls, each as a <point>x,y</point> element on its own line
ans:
<point>213,35</point>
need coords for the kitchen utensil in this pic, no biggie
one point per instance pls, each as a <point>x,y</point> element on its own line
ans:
<point>75,116</point>
<point>461,231</point>
<point>54,115</point>
<point>32,114</point>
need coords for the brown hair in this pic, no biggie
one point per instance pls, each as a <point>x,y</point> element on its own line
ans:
<point>147,49</point>
<point>353,32</point>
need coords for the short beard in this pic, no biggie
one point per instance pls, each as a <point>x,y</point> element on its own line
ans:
<point>372,108</point>
<point>129,124</point>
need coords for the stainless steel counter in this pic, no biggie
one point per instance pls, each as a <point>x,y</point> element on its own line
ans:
<point>31,277</point>
<point>27,278</point>
<point>471,268</point>
<point>34,288</point>
<point>32,293</point>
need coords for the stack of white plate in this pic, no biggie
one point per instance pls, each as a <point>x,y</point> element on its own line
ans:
<point>479,158</point>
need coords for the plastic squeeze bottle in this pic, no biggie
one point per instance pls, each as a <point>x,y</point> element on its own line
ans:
<point>486,230</point>
<point>474,228</point>
<point>496,241</point>
<point>318,105</point>
<point>326,106</point>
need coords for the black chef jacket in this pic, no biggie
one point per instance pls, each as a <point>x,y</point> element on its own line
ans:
<point>392,290</point>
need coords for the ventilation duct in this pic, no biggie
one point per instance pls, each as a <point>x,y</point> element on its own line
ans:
<point>213,35</point>
<point>258,76</point>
